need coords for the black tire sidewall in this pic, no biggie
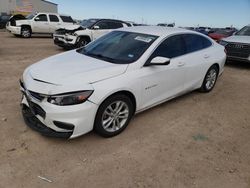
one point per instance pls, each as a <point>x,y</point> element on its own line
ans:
<point>25,29</point>
<point>98,128</point>
<point>204,88</point>
<point>82,39</point>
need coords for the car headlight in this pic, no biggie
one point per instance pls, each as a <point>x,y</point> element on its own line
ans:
<point>223,43</point>
<point>70,98</point>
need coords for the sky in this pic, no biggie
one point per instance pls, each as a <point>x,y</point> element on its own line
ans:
<point>213,13</point>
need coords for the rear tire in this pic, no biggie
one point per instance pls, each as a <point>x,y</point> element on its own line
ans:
<point>26,32</point>
<point>113,115</point>
<point>210,79</point>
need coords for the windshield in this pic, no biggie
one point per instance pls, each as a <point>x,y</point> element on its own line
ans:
<point>88,23</point>
<point>30,16</point>
<point>244,32</point>
<point>119,47</point>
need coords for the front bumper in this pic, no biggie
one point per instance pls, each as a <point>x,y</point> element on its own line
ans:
<point>34,123</point>
<point>14,30</point>
<point>238,52</point>
<point>235,58</point>
<point>58,121</point>
<point>65,41</point>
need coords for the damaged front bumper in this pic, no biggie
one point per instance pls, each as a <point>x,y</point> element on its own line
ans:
<point>56,121</point>
<point>15,30</point>
<point>65,41</point>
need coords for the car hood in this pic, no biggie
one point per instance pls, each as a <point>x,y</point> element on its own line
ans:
<point>238,39</point>
<point>21,22</point>
<point>72,67</point>
<point>72,27</point>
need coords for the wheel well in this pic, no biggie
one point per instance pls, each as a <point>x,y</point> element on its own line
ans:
<point>128,94</point>
<point>26,26</point>
<point>86,37</point>
<point>217,65</point>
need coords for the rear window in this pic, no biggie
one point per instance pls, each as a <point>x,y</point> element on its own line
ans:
<point>67,19</point>
<point>244,32</point>
<point>195,42</point>
<point>53,18</point>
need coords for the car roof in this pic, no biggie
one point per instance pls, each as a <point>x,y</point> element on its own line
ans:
<point>107,19</point>
<point>156,30</point>
<point>52,13</point>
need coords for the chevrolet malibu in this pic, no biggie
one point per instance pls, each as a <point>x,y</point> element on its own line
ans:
<point>101,86</point>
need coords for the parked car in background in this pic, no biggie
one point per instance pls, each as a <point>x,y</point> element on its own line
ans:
<point>203,30</point>
<point>189,28</point>
<point>77,36</point>
<point>166,24</point>
<point>3,21</point>
<point>220,34</point>
<point>38,23</point>
<point>101,86</point>
<point>238,45</point>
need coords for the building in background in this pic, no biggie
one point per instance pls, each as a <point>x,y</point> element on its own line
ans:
<point>25,7</point>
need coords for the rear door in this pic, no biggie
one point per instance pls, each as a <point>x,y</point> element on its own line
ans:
<point>198,58</point>
<point>54,23</point>
<point>41,24</point>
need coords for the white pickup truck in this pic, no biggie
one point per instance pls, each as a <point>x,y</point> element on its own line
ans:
<point>38,23</point>
<point>238,45</point>
<point>76,36</point>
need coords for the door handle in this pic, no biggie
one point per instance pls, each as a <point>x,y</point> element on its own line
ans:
<point>206,56</point>
<point>181,64</point>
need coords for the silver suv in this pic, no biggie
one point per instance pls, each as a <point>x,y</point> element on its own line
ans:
<point>238,45</point>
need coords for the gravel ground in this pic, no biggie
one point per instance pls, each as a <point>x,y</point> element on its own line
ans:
<point>198,140</point>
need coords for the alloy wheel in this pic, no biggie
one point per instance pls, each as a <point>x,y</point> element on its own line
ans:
<point>211,79</point>
<point>115,116</point>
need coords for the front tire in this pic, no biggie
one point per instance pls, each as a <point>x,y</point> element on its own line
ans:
<point>83,41</point>
<point>210,79</point>
<point>26,32</point>
<point>113,116</point>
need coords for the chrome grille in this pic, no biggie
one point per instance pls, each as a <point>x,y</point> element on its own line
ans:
<point>238,50</point>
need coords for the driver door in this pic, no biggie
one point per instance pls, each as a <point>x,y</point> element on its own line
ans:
<point>101,28</point>
<point>162,82</point>
<point>41,24</point>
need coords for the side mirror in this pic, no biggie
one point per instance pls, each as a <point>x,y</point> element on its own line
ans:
<point>159,61</point>
<point>96,27</point>
<point>37,19</point>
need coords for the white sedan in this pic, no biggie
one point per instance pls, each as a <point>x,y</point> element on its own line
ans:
<point>101,86</point>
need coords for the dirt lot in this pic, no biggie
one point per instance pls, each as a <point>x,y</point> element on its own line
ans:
<point>198,140</point>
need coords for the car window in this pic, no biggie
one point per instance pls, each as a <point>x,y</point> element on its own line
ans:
<point>53,18</point>
<point>67,19</point>
<point>172,47</point>
<point>41,18</point>
<point>103,25</point>
<point>114,25</point>
<point>245,31</point>
<point>195,42</point>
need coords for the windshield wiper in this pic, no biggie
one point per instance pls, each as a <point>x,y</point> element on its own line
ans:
<point>100,56</point>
